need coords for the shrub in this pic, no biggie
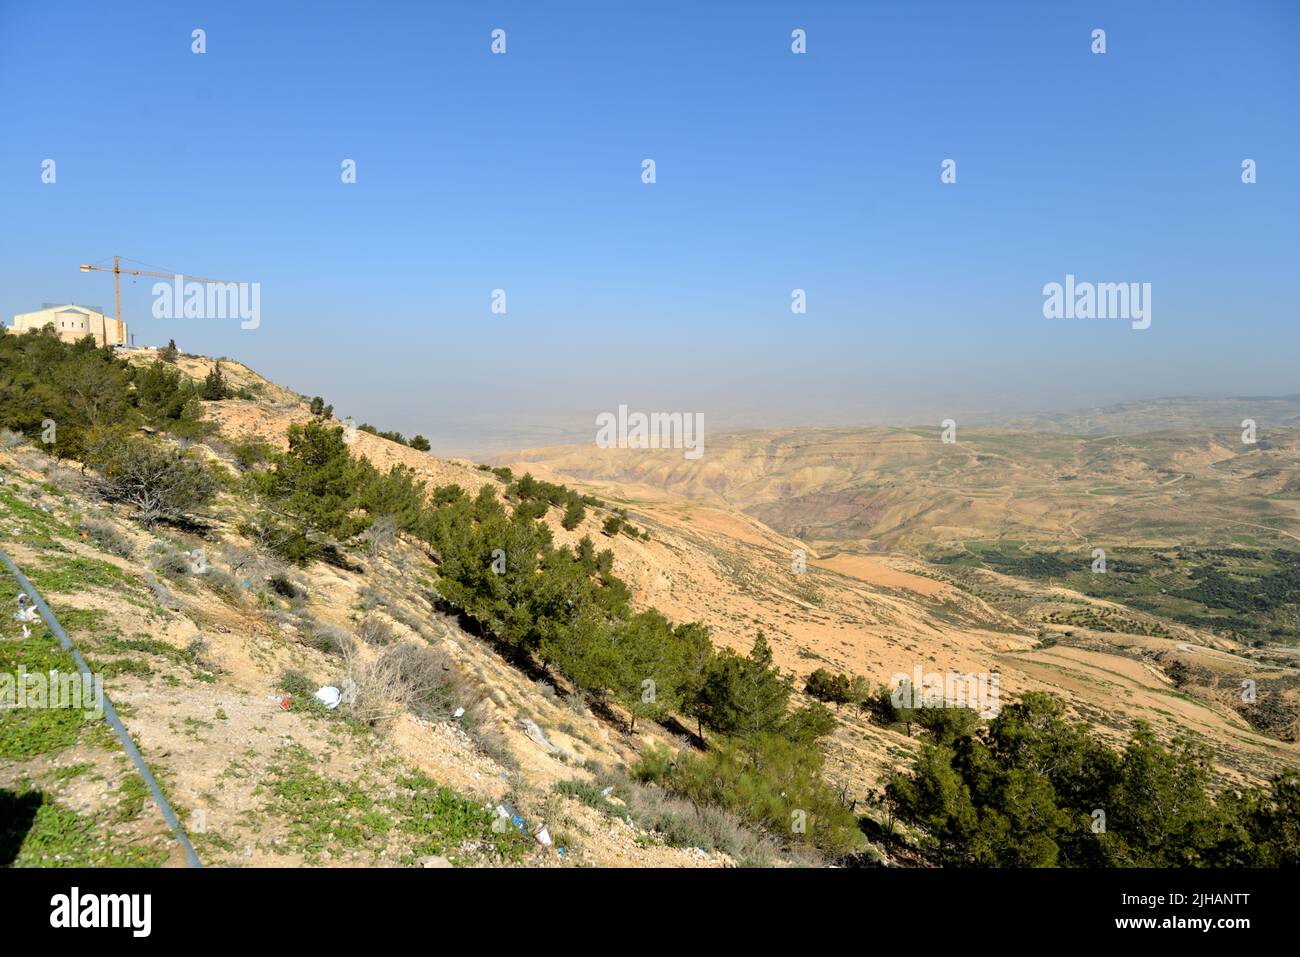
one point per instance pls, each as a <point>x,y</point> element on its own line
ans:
<point>200,653</point>
<point>302,689</point>
<point>282,586</point>
<point>406,676</point>
<point>64,481</point>
<point>574,513</point>
<point>296,683</point>
<point>680,822</point>
<point>653,766</point>
<point>373,630</point>
<point>214,387</point>
<point>774,783</point>
<point>251,453</point>
<point>161,593</point>
<point>485,731</point>
<point>162,482</point>
<point>171,562</point>
<point>107,537</point>
<point>328,638</point>
<point>224,584</point>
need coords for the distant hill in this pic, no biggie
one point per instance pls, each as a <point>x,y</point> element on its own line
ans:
<point>1159,415</point>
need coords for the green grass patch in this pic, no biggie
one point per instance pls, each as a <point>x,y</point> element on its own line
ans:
<point>322,814</point>
<point>131,797</point>
<point>70,575</point>
<point>441,821</point>
<point>37,831</point>
<point>28,731</point>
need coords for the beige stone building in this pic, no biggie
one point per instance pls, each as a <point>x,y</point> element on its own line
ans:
<point>73,322</point>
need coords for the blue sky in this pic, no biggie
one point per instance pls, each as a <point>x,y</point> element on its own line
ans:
<point>775,171</point>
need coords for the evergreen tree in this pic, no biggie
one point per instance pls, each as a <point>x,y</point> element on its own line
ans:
<point>745,696</point>
<point>574,513</point>
<point>214,385</point>
<point>312,489</point>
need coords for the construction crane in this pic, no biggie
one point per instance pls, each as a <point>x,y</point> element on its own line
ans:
<point>118,272</point>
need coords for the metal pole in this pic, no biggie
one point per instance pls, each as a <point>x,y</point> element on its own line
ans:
<point>117,296</point>
<point>110,715</point>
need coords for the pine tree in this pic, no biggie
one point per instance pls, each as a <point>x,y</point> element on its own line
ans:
<point>745,696</point>
<point>214,385</point>
<point>574,513</point>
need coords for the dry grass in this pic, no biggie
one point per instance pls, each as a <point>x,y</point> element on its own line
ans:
<point>374,630</point>
<point>404,677</point>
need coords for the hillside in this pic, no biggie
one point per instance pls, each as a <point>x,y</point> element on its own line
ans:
<point>214,647</point>
<point>1001,527</point>
<point>905,489</point>
<point>195,663</point>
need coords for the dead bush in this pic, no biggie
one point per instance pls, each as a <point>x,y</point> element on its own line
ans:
<point>420,678</point>
<point>373,630</point>
<point>404,677</point>
<point>106,536</point>
<point>251,566</point>
<point>66,481</point>
<point>171,562</point>
<point>380,536</point>
<point>327,638</point>
<point>163,595</point>
<point>200,652</point>
<point>683,823</point>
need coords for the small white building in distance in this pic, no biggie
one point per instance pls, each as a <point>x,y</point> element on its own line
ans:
<point>73,322</point>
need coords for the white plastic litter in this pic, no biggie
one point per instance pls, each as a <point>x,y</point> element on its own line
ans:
<point>458,713</point>
<point>27,615</point>
<point>542,835</point>
<point>329,696</point>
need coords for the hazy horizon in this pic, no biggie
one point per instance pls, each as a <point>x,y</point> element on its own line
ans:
<point>496,439</point>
